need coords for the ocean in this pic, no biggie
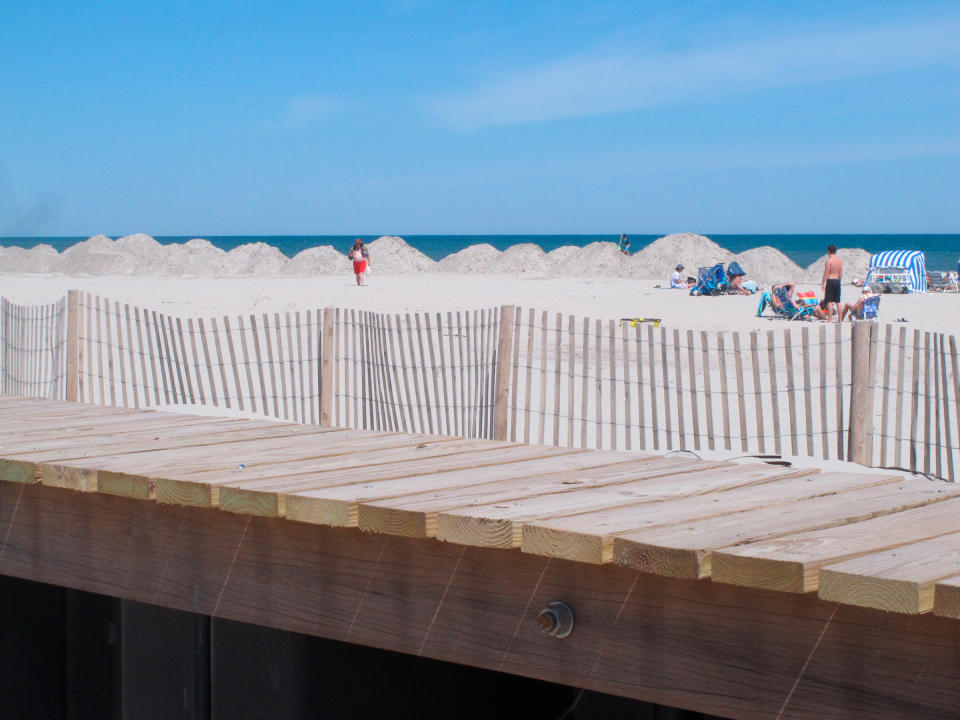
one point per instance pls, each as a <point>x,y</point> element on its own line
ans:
<point>943,251</point>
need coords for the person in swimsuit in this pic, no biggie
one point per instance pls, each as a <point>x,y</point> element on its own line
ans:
<point>360,256</point>
<point>832,275</point>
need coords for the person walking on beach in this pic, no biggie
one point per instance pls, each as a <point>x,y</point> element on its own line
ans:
<point>360,257</point>
<point>624,244</point>
<point>832,275</point>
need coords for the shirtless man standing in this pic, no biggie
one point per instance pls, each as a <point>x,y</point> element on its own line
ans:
<point>832,274</point>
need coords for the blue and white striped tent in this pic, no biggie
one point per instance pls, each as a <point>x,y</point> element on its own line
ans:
<point>913,261</point>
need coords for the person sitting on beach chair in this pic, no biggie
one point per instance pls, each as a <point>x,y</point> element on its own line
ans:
<point>863,309</point>
<point>781,300</point>
<point>677,280</point>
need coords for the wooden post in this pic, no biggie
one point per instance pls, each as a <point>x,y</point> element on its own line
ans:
<point>73,344</point>
<point>863,365</point>
<point>501,401</point>
<point>326,368</point>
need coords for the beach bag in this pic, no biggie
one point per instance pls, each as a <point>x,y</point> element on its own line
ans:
<point>749,285</point>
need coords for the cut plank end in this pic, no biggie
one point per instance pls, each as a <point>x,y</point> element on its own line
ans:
<point>900,596</point>
<point>316,511</point>
<point>477,531</point>
<point>182,492</point>
<point>566,544</point>
<point>18,471</point>
<point>132,486</point>
<point>251,502</point>
<point>392,521</point>
<point>946,599</point>
<point>755,572</point>
<point>81,479</point>
<point>681,563</point>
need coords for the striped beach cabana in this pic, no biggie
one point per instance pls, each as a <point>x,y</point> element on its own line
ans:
<point>913,262</point>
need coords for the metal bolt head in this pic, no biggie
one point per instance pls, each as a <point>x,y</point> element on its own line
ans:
<point>556,619</point>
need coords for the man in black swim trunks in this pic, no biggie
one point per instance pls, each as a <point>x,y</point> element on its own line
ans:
<point>832,275</point>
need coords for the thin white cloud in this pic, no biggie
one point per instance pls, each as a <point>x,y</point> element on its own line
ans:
<point>600,84</point>
<point>302,112</point>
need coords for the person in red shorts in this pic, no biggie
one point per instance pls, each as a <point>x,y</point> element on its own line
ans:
<point>361,259</point>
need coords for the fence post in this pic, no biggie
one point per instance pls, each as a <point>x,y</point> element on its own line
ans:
<point>73,345</point>
<point>501,401</point>
<point>863,358</point>
<point>326,368</point>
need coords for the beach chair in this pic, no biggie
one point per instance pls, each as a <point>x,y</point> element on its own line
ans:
<point>941,282</point>
<point>711,280</point>
<point>787,309</point>
<point>868,310</point>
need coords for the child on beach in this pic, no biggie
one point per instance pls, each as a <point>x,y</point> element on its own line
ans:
<point>360,257</point>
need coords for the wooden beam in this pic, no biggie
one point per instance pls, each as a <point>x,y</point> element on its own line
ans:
<point>501,400</point>
<point>702,646</point>
<point>793,563</point>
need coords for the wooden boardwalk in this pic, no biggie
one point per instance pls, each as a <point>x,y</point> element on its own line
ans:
<point>866,539</point>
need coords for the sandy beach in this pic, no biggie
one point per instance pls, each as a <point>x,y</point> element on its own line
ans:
<point>197,279</point>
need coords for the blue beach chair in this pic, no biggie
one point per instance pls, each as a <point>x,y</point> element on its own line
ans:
<point>711,280</point>
<point>869,309</point>
<point>787,309</point>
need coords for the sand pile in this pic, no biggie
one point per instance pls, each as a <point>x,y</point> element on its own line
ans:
<point>256,259</point>
<point>522,259</point>
<point>562,255</point>
<point>324,260</point>
<point>194,258</point>
<point>766,266</point>
<point>392,254</point>
<point>659,258</point>
<point>856,263</point>
<point>598,259</point>
<point>473,259</point>
<point>98,255</point>
<point>38,259</point>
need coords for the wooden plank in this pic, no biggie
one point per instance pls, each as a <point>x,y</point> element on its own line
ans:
<point>463,357</point>
<point>585,388</point>
<point>541,431</point>
<point>340,381</point>
<point>265,405</point>
<point>293,360</point>
<point>898,416</point>
<point>678,379</point>
<point>793,563</point>
<point>108,349</point>
<point>741,398</point>
<point>612,352</point>
<point>948,434</point>
<point>824,433</point>
<point>405,396</point>
<point>937,393</point>
<point>99,345</point>
<point>316,347</point>
<point>423,426</point>
<point>707,393</point>
<point>332,498</point>
<point>627,411</point>
<point>233,362</point>
<point>186,362</point>
<point>861,394</point>
<point>439,405</point>
<point>685,550</point>
<point>694,405</point>
<point>757,398</point>
<point>589,536</point>
<point>365,580</point>
<point>946,597</point>
<point>444,380</point>
<point>247,364</point>
<point>900,580</point>
<point>284,397</point>
<point>208,363</point>
<point>389,349</point>
<point>557,362</point>
<point>791,391</point>
<point>915,400</point>
<point>125,402</point>
<point>838,349</point>
<point>641,411</point>
<point>169,345</point>
<point>668,425</point>
<point>274,393</point>
<point>202,489</point>
<point>571,373</point>
<point>455,372</point>
<point>927,398</point>
<point>807,395</point>
<point>885,407</point>
<point>302,360</point>
<point>133,349</point>
<point>339,505</point>
<point>386,365</point>
<point>456,515</point>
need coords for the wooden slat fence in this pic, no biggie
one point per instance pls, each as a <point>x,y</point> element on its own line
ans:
<point>883,395</point>
<point>33,352</point>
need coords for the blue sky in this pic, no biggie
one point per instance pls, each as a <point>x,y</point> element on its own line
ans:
<point>418,117</point>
